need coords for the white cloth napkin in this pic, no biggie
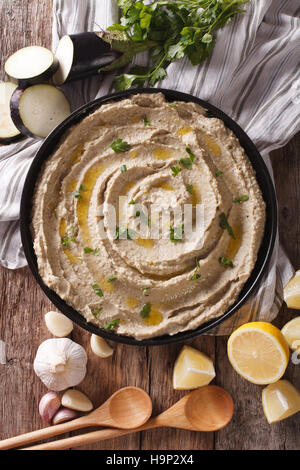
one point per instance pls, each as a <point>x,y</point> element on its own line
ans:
<point>253,75</point>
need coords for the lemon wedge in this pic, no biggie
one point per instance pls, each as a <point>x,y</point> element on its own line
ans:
<point>258,352</point>
<point>280,400</point>
<point>192,369</point>
<point>291,292</point>
<point>291,332</point>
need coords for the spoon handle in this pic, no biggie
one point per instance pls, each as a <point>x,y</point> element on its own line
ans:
<point>90,438</point>
<point>45,433</point>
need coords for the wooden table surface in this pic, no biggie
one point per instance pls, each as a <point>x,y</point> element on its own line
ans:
<point>23,305</point>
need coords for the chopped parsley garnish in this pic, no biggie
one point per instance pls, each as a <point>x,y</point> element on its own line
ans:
<point>111,279</point>
<point>82,188</point>
<point>97,312</point>
<point>189,188</point>
<point>143,218</point>
<point>192,156</point>
<point>77,195</point>
<point>226,262</point>
<point>175,170</point>
<point>132,202</point>
<point>218,173</point>
<point>90,250</point>
<point>224,224</point>
<point>176,233</point>
<point>97,290</point>
<point>146,121</point>
<point>173,105</point>
<point>145,311</point>
<point>145,291</point>
<point>112,324</point>
<point>195,275</point>
<point>186,163</point>
<point>120,146</point>
<point>126,234</point>
<point>65,241</point>
<point>73,239</point>
<point>123,168</point>
<point>241,199</point>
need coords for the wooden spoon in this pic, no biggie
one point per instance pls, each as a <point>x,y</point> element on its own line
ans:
<point>127,408</point>
<point>208,408</point>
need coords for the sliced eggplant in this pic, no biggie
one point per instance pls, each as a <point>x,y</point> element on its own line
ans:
<point>31,65</point>
<point>38,109</point>
<point>81,55</point>
<point>8,131</point>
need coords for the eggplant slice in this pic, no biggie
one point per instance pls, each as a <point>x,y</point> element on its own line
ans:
<point>81,55</point>
<point>31,65</point>
<point>8,131</point>
<point>38,109</point>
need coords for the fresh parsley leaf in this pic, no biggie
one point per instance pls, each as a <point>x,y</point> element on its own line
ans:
<point>145,312</point>
<point>218,173</point>
<point>97,290</point>
<point>226,262</point>
<point>120,146</point>
<point>186,163</point>
<point>132,202</point>
<point>171,30</point>
<point>123,168</point>
<point>112,324</point>
<point>82,188</point>
<point>176,233</point>
<point>224,224</point>
<point>111,279</point>
<point>88,250</point>
<point>241,199</point>
<point>175,170</point>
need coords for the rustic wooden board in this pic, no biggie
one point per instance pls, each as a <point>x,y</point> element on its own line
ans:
<point>22,306</point>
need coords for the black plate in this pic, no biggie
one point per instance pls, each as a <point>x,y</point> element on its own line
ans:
<point>263,178</point>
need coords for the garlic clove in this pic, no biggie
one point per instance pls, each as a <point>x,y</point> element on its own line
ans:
<point>76,400</point>
<point>48,406</point>
<point>60,363</point>
<point>58,324</point>
<point>100,347</point>
<point>63,415</point>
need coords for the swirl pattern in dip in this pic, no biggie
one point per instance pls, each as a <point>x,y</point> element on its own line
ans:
<point>133,155</point>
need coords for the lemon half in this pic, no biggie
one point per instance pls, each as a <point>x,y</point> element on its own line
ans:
<point>258,352</point>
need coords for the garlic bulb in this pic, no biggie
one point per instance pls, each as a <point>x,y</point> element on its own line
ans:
<point>60,363</point>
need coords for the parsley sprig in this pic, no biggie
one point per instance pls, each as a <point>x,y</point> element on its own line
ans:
<point>171,30</point>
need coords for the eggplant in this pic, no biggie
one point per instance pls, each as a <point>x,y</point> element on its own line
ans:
<point>8,131</point>
<point>36,110</point>
<point>81,55</point>
<point>31,65</point>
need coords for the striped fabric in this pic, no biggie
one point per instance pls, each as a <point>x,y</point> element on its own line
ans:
<point>253,75</point>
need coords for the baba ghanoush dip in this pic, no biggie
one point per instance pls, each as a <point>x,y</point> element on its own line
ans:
<point>147,218</point>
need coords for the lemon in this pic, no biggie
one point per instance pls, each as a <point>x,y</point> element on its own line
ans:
<point>291,292</point>
<point>291,332</point>
<point>280,400</point>
<point>192,369</point>
<point>258,352</point>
